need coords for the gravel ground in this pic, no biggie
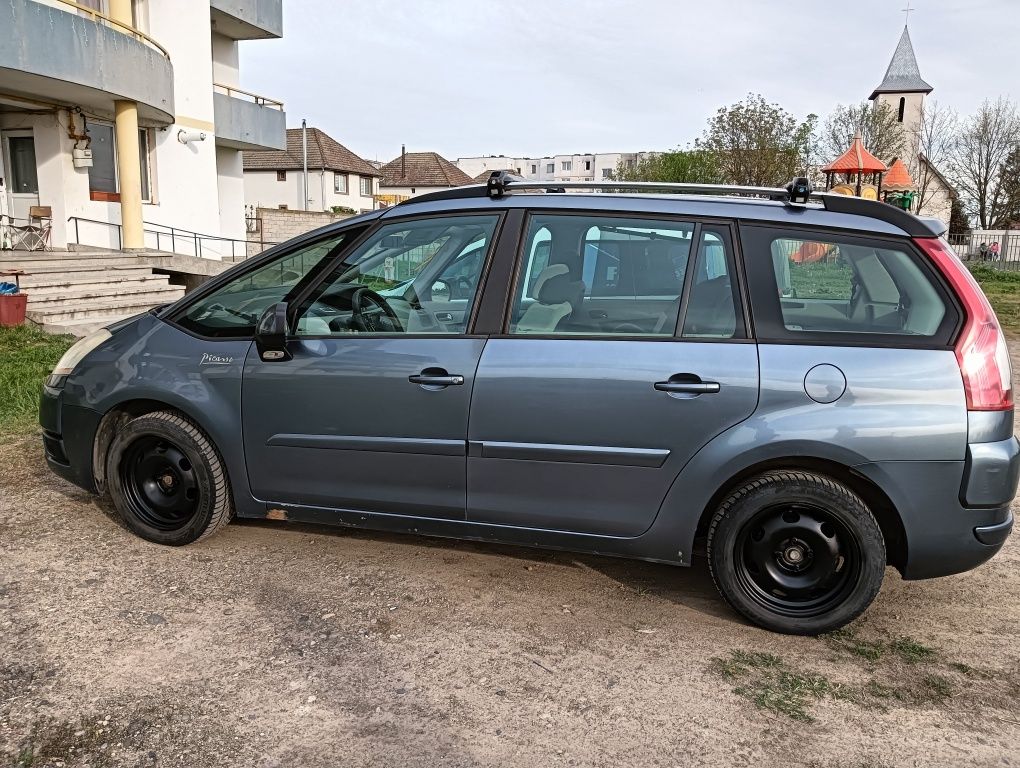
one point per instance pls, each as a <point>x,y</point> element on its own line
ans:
<point>275,644</point>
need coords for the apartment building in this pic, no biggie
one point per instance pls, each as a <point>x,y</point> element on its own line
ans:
<point>125,116</point>
<point>337,178</point>
<point>597,166</point>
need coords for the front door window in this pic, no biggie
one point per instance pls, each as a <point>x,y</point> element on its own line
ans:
<point>409,277</point>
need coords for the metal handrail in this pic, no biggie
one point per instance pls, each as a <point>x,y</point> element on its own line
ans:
<point>126,28</point>
<point>174,233</point>
<point>262,101</point>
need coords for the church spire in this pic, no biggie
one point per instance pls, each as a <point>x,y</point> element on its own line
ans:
<point>903,74</point>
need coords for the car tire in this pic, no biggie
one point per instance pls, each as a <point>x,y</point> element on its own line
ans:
<point>167,480</point>
<point>796,552</point>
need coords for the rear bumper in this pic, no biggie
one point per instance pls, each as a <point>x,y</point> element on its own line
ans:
<point>944,534</point>
<point>992,471</point>
<point>69,433</point>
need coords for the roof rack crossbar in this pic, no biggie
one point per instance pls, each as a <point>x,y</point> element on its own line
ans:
<point>795,194</point>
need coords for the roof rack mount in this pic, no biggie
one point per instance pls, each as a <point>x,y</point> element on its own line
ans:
<point>799,191</point>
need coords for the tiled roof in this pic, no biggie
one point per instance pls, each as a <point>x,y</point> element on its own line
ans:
<point>856,160</point>
<point>483,177</point>
<point>323,152</point>
<point>903,74</point>
<point>898,179</point>
<point>422,169</point>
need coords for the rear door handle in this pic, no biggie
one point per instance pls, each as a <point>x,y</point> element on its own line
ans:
<point>687,385</point>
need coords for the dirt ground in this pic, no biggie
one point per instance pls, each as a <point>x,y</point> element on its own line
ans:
<point>274,644</point>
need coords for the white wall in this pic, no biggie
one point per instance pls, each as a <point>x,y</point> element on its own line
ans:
<point>226,69</point>
<point>230,189</point>
<point>262,190</point>
<point>583,167</point>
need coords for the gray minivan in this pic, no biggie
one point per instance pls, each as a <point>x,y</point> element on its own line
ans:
<point>808,387</point>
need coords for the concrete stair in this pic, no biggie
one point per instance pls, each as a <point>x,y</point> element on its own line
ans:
<point>82,291</point>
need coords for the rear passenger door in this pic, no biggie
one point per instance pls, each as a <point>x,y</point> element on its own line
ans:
<point>624,352</point>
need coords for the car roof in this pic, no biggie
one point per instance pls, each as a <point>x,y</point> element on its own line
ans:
<point>702,206</point>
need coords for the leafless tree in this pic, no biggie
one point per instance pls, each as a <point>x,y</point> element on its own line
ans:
<point>982,145</point>
<point>878,124</point>
<point>929,149</point>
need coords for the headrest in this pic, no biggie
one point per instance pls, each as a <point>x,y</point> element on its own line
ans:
<point>559,289</point>
<point>549,272</point>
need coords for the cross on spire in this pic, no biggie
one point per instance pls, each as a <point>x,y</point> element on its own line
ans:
<point>907,11</point>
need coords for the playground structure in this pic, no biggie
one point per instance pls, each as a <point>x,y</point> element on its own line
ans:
<point>859,173</point>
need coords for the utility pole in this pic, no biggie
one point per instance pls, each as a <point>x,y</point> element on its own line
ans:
<point>304,158</point>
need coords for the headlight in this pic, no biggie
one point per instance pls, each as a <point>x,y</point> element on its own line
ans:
<point>70,359</point>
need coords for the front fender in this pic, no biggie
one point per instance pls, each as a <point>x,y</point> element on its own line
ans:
<point>153,361</point>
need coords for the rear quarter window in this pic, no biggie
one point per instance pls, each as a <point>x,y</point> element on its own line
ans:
<point>810,286</point>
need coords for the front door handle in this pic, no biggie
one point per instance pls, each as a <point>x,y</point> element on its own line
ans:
<point>436,378</point>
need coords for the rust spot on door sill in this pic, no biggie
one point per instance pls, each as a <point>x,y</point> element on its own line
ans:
<point>276,514</point>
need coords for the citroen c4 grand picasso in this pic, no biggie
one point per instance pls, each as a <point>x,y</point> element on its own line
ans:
<point>812,387</point>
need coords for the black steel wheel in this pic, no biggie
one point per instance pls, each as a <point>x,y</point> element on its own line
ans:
<point>796,552</point>
<point>167,480</point>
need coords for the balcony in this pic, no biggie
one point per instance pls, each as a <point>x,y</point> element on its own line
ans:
<point>247,19</point>
<point>59,52</point>
<point>247,121</point>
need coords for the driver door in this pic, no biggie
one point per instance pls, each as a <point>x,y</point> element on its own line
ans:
<point>371,412</point>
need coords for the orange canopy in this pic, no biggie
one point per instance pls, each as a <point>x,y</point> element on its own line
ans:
<point>898,179</point>
<point>856,160</point>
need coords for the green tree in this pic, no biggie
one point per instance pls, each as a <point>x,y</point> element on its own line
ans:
<point>879,126</point>
<point>959,221</point>
<point>758,143</point>
<point>683,166</point>
<point>1009,191</point>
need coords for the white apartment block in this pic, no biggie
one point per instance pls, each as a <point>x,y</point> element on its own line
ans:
<point>598,166</point>
<point>125,116</point>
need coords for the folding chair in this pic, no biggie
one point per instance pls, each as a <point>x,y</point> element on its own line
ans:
<point>34,236</point>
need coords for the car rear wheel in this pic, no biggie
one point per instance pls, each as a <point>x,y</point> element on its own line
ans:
<point>167,480</point>
<point>796,552</point>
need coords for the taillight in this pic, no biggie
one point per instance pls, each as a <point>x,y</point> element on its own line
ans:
<point>981,348</point>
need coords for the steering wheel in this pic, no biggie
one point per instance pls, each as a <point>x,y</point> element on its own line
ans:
<point>361,299</point>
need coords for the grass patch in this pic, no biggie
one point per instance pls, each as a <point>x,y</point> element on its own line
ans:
<point>912,651</point>
<point>28,356</point>
<point>766,681</point>
<point>847,640</point>
<point>1002,288</point>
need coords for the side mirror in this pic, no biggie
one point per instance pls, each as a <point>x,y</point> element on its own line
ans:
<point>271,334</point>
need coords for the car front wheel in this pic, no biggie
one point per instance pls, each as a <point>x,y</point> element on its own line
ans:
<point>167,480</point>
<point>796,552</point>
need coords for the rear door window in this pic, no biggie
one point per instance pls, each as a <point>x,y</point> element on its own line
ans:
<point>835,286</point>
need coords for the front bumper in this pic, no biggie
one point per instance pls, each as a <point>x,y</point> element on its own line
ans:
<point>69,433</point>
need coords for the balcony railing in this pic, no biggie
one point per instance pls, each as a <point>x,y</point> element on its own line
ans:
<point>101,18</point>
<point>262,101</point>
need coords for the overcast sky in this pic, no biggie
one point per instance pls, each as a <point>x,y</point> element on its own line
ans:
<point>541,77</point>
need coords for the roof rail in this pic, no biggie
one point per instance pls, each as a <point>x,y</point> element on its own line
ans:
<point>797,193</point>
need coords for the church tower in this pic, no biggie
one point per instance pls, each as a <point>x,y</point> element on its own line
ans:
<point>903,89</point>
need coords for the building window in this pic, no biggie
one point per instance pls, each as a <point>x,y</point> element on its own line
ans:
<point>534,168</point>
<point>567,165</point>
<point>903,106</point>
<point>587,165</point>
<point>607,173</point>
<point>281,175</point>
<point>340,183</point>
<point>103,173</point>
<point>24,174</point>
<point>550,167</point>
<point>143,163</point>
<point>366,186</point>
